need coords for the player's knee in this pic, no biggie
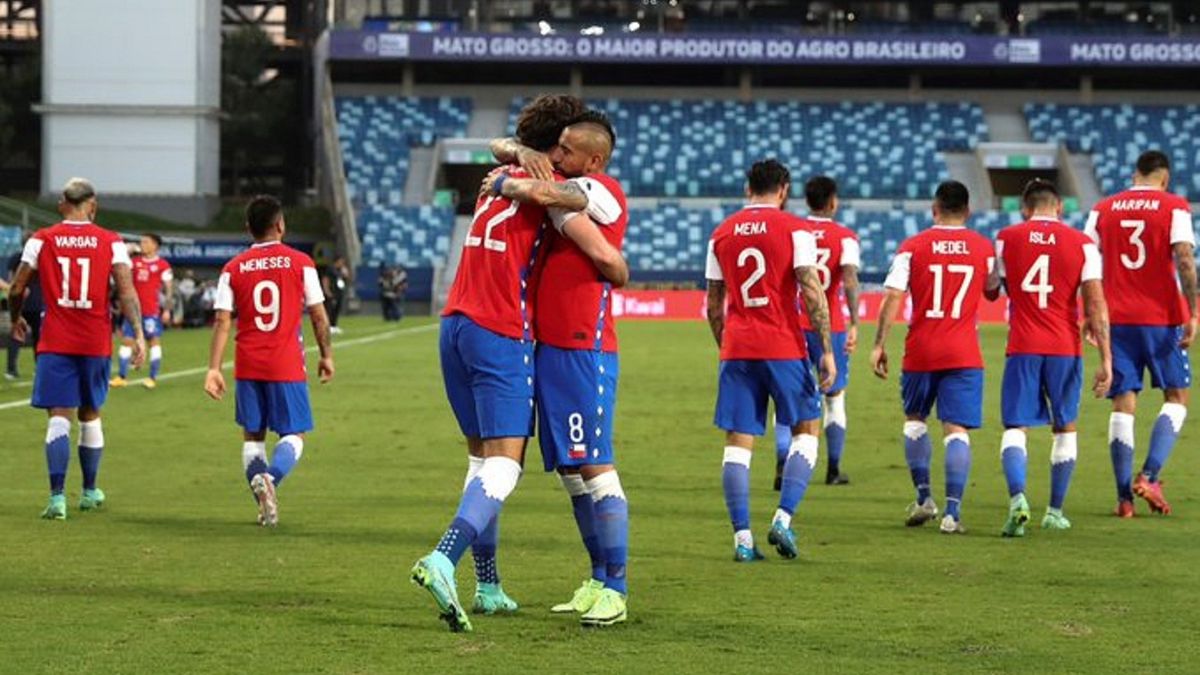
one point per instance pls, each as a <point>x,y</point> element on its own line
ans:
<point>914,429</point>
<point>499,476</point>
<point>1176,412</point>
<point>607,484</point>
<point>57,427</point>
<point>91,434</point>
<point>156,352</point>
<point>1065,448</point>
<point>1176,396</point>
<point>125,352</point>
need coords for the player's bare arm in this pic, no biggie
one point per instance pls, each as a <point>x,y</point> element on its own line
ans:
<point>994,284</point>
<point>549,194</point>
<point>851,286</point>
<point>887,316</point>
<point>16,301</point>
<point>1185,266</point>
<point>588,237</point>
<point>1098,333</point>
<point>324,337</point>
<point>816,306</point>
<point>509,151</point>
<point>214,381</point>
<point>716,309</point>
<point>131,309</point>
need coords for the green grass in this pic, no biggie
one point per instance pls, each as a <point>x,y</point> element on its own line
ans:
<point>174,577</point>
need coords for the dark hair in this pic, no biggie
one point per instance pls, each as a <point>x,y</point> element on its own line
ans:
<point>1152,160</point>
<point>819,191</point>
<point>767,175</point>
<point>599,119</point>
<point>952,198</point>
<point>1039,193</point>
<point>541,121</point>
<point>261,213</point>
<point>154,238</point>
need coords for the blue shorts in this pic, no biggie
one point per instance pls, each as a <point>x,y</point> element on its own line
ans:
<point>957,392</point>
<point>151,326</point>
<point>70,381</point>
<point>1041,390</point>
<point>576,401</point>
<point>744,387</point>
<point>1136,349</point>
<point>840,357</point>
<point>488,378</point>
<point>281,407</point>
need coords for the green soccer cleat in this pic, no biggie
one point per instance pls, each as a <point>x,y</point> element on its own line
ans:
<point>435,573</point>
<point>585,596</point>
<point>783,539</point>
<point>56,508</point>
<point>608,610</point>
<point>491,599</point>
<point>91,500</point>
<point>1018,515</point>
<point>1055,520</point>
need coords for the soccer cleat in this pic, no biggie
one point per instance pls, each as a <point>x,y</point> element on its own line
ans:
<point>1055,520</point>
<point>491,599</point>
<point>919,514</point>
<point>951,526</point>
<point>1124,509</point>
<point>608,609</point>
<point>837,478</point>
<point>435,573</point>
<point>585,596</point>
<point>149,383</point>
<point>1152,492</point>
<point>91,500</point>
<point>56,508</point>
<point>263,487</point>
<point>1018,515</point>
<point>118,382</point>
<point>11,375</point>
<point>744,554</point>
<point>783,539</point>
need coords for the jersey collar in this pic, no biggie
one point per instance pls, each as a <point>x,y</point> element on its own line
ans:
<point>264,244</point>
<point>761,206</point>
<point>820,219</point>
<point>949,227</point>
<point>1143,188</point>
<point>1047,219</point>
<point>77,222</point>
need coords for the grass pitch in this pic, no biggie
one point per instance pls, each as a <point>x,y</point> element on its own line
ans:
<point>173,576</point>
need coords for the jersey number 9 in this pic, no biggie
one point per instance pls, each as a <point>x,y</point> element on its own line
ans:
<point>266,306</point>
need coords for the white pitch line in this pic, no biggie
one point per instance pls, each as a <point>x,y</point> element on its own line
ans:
<point>340,344</point>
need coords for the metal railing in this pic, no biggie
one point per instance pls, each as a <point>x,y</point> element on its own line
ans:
<point>13,212</point>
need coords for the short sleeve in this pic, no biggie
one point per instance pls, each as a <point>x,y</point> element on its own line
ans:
<point>1091,227</point>
<point>168,276</point>
<point>1000,258</point>
<point>224,300</point>
<point>1093,265</point>
<point>603,207</point>
<point>33,249</point>
<point>120,253</point>
<point>712,268</point>
<point>898,275</point>
<point>313,295</point>
<point>1181,227</point>
<point>804,249</point>
<point>851,253</point>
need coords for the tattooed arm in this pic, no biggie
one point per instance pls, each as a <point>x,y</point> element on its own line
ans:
<point>568,196</point>
<point>131,308</point>
<point>509,151</point>
<point>812,293</point>
<point>1185,265</point>
<point>851,287</point>
<point>716,309</point>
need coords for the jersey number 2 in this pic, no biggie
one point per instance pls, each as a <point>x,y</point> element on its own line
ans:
<point>486,241</point>
<point>760,271</point>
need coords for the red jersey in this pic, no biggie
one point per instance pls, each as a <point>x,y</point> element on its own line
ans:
<point>945,269</point>
<point>493,286</point>
<point>268,287</point>
<point>756,252</point>
<point>574,302</point>
<point>1136,230</point>
<point>149,275</point>
<point>837,247</point>
<point>1045,262</point>
<point>74,262</point>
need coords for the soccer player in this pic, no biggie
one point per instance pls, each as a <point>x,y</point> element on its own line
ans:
<point>1146,241</point>
<point>769,257</point>
<point>269,286</point>
<point>945,268</point>
<point>1044,266</point>
<point>74,261</point>
<point>838,260</point>
<point>151,275</point>
<point>577,364</point>
<point>486,348</point>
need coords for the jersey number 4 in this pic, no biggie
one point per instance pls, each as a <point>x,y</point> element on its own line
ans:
<point>85,277</point>
<point>940,272</point>
<point>1037,280</point>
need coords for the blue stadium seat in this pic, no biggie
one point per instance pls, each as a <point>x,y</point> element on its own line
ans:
<point>1115,135</point>
<point>10,240</point>
<point>676,148</point>
<point>413,236</point>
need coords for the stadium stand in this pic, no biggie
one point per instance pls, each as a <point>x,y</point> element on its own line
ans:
<point>413,236</point>
<point>1114,135</point>
<point>682,148</point>
<point>10,240</point>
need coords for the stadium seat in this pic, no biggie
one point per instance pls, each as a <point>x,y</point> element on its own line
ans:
<point>10,240</point>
